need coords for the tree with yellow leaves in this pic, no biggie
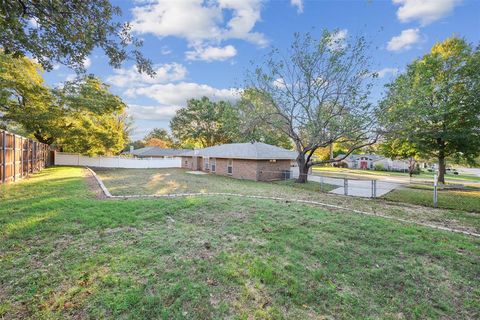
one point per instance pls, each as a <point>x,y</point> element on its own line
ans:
<point>81,116</point>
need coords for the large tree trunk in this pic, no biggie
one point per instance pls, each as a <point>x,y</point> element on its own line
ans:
<point>441,162</point>
<point>302,168</point>
<point>411,166</point>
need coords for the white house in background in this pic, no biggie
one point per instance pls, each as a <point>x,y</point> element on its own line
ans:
<point>369,161</point>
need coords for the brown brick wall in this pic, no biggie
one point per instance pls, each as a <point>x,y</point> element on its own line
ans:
<point>189,163</point>
<point>261,170</point>
<point>268,171</point>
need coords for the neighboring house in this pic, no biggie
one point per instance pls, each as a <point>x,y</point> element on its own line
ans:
<point>253,161</point>
<point>155,152</point>
<point>369,161</point>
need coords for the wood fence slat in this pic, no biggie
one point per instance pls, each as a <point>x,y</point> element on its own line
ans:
<point>20,156</point>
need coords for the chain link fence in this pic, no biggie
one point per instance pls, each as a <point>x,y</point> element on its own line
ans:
<point>463,196</point>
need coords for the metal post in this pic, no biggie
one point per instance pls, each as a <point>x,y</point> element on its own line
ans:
<point>374,183</point>
<point>435,194</point>
<point>345,186</point>
<point>321,184</point>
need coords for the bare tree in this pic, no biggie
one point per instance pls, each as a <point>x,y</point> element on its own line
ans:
<point>317,93</point>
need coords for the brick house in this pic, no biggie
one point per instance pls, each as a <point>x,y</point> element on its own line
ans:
<point>253,161</point>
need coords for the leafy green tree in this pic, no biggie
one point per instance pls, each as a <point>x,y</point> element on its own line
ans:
<point>66,32</point>
<point>205,123</point>
<point>25,99</point>
<point>317,94</point>
<point>252,128</point>
<point>95,121</point>
<point>159,137</point>
<point>137,144</point>
<point>82,116</point>
<point>402,149</point>
<point>434,106</point>
<point>95,134</point>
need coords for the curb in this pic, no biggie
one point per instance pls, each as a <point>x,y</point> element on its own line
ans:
<point>100,183</point>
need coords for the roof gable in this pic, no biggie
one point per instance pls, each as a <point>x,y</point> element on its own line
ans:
<point>255,151</point>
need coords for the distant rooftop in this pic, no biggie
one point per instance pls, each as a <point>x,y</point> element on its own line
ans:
<point>354,157</point>
<point>255,151</point>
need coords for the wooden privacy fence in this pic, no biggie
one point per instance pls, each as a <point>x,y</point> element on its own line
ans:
<point>20,156</point>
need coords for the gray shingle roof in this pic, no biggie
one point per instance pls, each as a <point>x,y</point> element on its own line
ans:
<point>255,151</point>
<point>157,152</point>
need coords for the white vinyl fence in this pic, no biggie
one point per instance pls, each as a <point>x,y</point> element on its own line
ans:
<point>74,159</point>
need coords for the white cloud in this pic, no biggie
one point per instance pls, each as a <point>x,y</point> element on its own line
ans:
<point>387,71</point>
<point>201,23</point>
<point>405,40</point>
<point>87,62</point>
<point>211,53</point>
<point>177,94</point>
<point>337,39</point>
<point>165,50</point>
<point>425,11</point>
<point>33,23</point>
<point>298,4</point>
<point>71,77</point>
<point>279,83</point>
<point>156,113</point>
<point>132,78</point>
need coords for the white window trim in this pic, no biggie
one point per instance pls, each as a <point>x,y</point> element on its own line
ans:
<point>231,166</point>
<point>213,165</point>
<point>206,163</point>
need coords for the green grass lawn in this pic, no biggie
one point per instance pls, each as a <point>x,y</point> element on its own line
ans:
<point>372,174</point>
<point>66,254</point>
<point>174,181</point>
<point>467,200</point>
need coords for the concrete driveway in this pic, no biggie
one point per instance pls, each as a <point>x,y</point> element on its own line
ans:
<point>475,171</point>
<point>356,188</point>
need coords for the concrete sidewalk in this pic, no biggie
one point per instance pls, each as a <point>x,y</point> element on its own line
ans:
<point>356,188</point>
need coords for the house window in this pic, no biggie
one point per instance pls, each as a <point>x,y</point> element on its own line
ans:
<point>206,164</point>
<point>230,166</point>
<point>213,164</point>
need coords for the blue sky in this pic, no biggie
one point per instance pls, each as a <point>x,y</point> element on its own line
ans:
<point>205,47</point>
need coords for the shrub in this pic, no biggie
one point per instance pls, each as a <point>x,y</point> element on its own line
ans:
<point>341,164</point>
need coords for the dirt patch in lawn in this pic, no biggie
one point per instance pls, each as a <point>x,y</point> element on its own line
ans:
<point>93,185</point>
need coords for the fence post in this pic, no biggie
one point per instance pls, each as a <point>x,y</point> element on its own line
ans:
<point>435,194</point>
<point>28,156</point>
<point>345,186</point>
<point>14,158</point>
<point>4,150</point>
<point>374,188</point>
